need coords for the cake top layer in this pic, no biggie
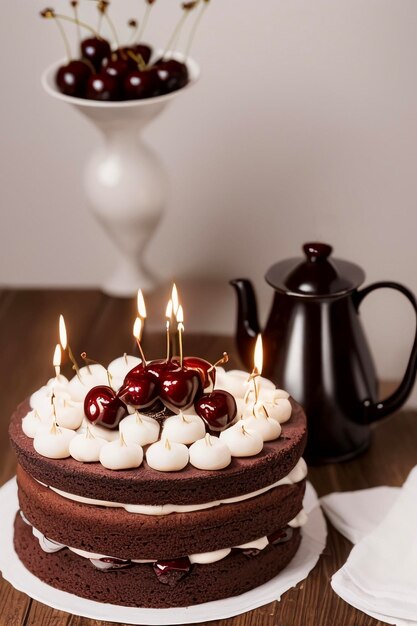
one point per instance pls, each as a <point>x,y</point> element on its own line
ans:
<point>148,486</point>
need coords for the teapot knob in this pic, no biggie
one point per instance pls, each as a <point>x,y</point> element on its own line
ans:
<point>317,251</point>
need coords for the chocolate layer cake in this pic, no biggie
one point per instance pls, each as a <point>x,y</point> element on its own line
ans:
<point>139,536</point>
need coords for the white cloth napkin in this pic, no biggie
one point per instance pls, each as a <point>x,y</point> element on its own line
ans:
<point>380,575</point>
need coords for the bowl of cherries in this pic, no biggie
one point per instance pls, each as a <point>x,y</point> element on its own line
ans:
<point>104,70</point>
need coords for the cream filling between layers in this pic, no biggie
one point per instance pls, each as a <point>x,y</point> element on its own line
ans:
<point>49,546</point>
<point>297,474</point>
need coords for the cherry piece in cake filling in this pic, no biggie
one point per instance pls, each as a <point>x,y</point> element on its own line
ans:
<point>171,571</point>
<point>103,407</point>
<point>281,536</point>
<point>218,409</point>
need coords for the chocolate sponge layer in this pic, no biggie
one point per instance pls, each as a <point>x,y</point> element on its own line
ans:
<point>139,586</point>
<point>147,486</point>
<point>115,532</point>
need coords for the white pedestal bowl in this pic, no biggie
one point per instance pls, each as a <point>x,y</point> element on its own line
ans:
<point>124,180</point>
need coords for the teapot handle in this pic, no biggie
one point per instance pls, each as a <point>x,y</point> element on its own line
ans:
<point>376,410</point>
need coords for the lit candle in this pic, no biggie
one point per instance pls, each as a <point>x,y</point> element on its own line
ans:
<point>167,456</point>
<point>63,338</point>
<point>168,315</point>
<point>137,333</point>
<point>257,369</point>
<point>141,311</point>
<point>175,299</point>
<point>180,328</point>
<point>57,360</point>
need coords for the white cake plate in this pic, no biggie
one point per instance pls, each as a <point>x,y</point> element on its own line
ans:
<point>313,542</point>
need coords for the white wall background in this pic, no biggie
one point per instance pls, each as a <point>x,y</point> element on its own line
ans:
<point>303,126</point>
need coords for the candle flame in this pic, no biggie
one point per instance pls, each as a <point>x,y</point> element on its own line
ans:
<point>63,333</point>
<point>175,300</point>
<point>258,356</point>
<point>137,329</point>
<point>168,312</point>
<point>57,356</point>
<point>141,305</point>
<point>180,315</point>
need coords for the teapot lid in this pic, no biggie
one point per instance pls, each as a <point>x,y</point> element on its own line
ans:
<point>317,275</point>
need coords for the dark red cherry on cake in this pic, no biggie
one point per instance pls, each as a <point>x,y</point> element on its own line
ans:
<point>102,87</point>
<point>171,571</point>
<point>95,50</point>
<point>140,388</point>
<point>179,388</point>
<point>71,79</point>
<point>103,407</point>
<point>205,370</point>
<point>218,409</point>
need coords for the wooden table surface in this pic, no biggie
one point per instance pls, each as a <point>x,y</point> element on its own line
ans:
<point>102,326</point>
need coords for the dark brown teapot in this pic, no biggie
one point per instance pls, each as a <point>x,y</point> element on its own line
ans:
<point>315,348</point>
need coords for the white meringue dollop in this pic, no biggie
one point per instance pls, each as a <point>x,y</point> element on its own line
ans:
<point>139,429</point>
<point>119,455</point>
<point>167,456</point>
<point>69,414</point>
<point>119,367</point>
<point>268,428</point>
<point>86,448</point>
<point>209,453</point>
<point>242,442</point>
<point>183,428</point>
<point>53,441</point>
<point>87,378</point>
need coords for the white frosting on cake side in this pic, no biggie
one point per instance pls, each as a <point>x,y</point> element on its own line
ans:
<point>202,558</point>
<point>297,474</point>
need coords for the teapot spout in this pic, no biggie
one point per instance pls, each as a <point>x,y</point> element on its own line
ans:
<point>247,327</point>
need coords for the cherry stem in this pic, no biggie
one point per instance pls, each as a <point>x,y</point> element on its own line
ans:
<point>195,27</point>
<point>80,23</point>
<point>176,33</point>
<point>138,58</point>
<point>74,5</point>
<point>64,36</point>
<point>142,354</point>
<point>133,24</point>
<point>168,341</point>
<point>180,331</point>
<point>224,359</point>
<point>144,22</point>
<point>73,361</point>
<point>113,29</point>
